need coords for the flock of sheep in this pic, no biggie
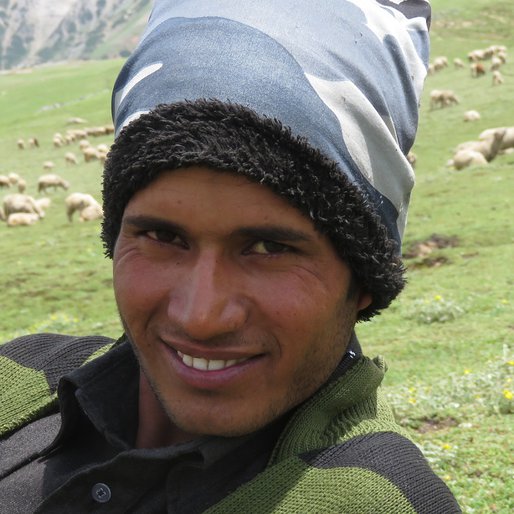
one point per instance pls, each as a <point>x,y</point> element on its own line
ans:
<point>490,142</point>
<point>22,209</point>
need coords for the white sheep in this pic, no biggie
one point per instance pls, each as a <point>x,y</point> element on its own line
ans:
<point>21,144</point>
<point>442,98</point>
<point>471,115</point>
<point>70,158</point>
<point>489,147</point>
<point>48,165</point>
<point>4,181</point>
<point>464,158</point>
<point>458,63</point>
<point>14,178</point>
<point>51,180</point>
<point>33,142</point>
<point>22,185</point>
<point>91,154</point>
<point>18,219</point>
<point>91,212</point>
<point>77,202</point>
<point>19,202</point>
<point>508,137</point>
<point>497,78</point>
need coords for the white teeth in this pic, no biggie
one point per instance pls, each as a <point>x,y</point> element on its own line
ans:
<point>205,364</point>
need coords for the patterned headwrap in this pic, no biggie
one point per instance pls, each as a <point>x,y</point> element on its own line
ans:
<point>317,100</point>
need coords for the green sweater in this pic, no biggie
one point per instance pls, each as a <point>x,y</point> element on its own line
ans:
<point>340,452</point>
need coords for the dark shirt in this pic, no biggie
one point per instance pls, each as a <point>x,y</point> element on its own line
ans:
<point>92,464</point>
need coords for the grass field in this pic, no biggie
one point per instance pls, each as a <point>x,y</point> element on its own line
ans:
<point>449,337</point>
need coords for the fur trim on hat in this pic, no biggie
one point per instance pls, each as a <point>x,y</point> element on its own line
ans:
<point>231,137</point>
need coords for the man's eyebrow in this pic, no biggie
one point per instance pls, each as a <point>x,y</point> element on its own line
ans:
<point>274,233</point>
<point>152,223</point>
<point>257,232</point>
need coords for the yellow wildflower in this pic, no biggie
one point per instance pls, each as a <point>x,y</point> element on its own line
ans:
<point>467,371</point>
<point>446,446</point>
<point>508,394</point>
<point>438,297</point>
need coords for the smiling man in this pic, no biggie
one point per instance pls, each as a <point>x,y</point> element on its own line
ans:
<point>255,198</point>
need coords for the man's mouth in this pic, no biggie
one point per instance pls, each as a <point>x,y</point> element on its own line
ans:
<point>207,364</point>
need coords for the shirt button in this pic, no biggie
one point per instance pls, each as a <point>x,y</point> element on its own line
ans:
<point>101,493</point>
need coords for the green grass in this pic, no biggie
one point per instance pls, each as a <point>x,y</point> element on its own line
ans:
<point>450,381</point>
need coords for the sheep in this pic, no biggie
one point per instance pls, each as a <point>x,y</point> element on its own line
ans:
<point>90,154</point>
<point>508,137</point>
<point>91,212</point>
<point>4,181</point>
<point>75,121</point>
<point>2,214</point>
<point>464,158</point>
<point>103,148</point>
<point>22,185</point>
<point>18,202</point>
<point>442,98</point>
<point>51,180</point>
<point>96,131</point>
<point>21,144</point>
<point>458,63</point>
<point>43,203</point>
<point>477,69</point>
<point>440,63</point>
<point>496,63</point>
<point>489,147</point>
<point>476,55</point>
<point>13,178</point>
<point>18,219</point>
<point>48,165</point>
<point>497,78</point>
<point>70,158</point>
<point>84,143</point>
<point>57,142</point>
<point>471,115</point>
<point>33,142</point>
<point>412,158</point>
<point>77,202</point>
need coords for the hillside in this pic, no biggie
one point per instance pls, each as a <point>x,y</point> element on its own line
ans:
<point>39,31</point>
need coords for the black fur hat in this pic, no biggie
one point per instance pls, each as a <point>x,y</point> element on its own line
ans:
<point>231,137</point>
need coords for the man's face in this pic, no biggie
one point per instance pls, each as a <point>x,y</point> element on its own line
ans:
<point>237,308</point>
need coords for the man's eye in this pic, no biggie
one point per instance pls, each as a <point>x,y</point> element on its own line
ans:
<point>269,247</point>
<point>162,236</point>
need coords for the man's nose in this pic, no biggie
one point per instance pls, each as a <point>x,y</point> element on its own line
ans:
<point>209,300</point>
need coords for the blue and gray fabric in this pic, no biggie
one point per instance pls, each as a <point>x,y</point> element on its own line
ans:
<point>334,86</point>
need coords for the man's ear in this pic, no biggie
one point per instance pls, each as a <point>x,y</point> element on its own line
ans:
<point>364,300</point>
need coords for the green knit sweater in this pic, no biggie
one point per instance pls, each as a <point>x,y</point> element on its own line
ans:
<point>340,452</point>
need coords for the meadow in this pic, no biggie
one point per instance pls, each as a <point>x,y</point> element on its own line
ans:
<point>448,339</point>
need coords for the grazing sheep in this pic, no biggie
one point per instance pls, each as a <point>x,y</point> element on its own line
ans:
<point>70,158</point>
<point>442,98</point>
<point>464,158</point>
<point>471,116</point>
<point>13,178</point>
<point>508,137</point>
<point>21,144</point>
<point>57,142</point>
<point>75,121</point>
<point>489,147</point>
<point>51,180</point>
<point>91,212</point>
<point>84,143</point>
<point>440,63</point>
<point>412,158</point>
<point>77,202</point>
<point>458,63</point>
<point>4,181</point>
<point>90,154</point>
<point>96,131</point>
<point>18,202</point>
<point>2,214</point>
<point>497,78</point>
<point>496,63</point>
<point>477,69</point>
<point>33,142</point>
<point>18,219</point>
<point>22,185</point>
<point>48,165</point>
<point>43,203</point>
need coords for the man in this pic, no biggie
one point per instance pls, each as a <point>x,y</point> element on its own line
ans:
<point>254,201</point>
